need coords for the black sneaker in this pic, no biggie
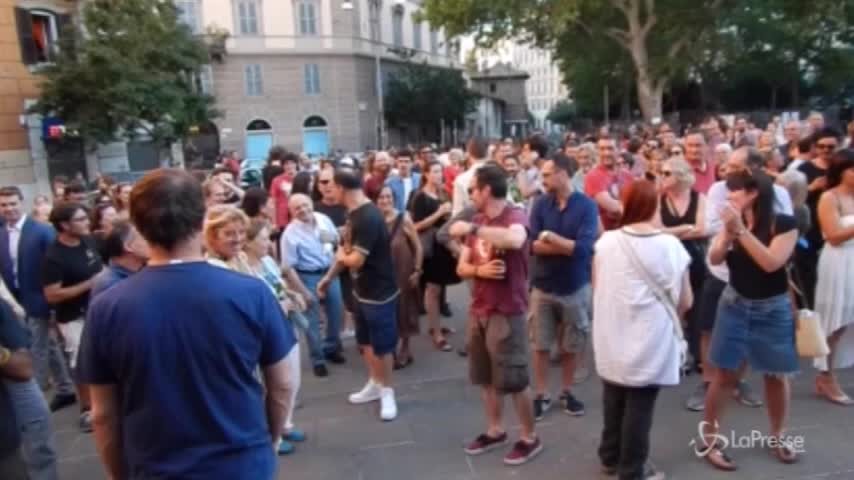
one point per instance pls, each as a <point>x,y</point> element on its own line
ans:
<point>336,357</point>
<point>571,405</point>
<point>61,401</point>
<point>321,371</point>
<point>445,310</point>
<point>541,406</point>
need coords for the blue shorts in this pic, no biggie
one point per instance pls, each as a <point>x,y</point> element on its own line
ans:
<point>376,325</point>
<point>759,331</point>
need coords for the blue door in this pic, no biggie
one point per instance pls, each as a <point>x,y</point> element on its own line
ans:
<point>258,145</point>
<point>315,142</point>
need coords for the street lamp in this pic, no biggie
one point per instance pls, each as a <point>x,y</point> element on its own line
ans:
<point>374,19</point>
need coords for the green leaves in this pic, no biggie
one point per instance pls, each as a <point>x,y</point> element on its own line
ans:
<point>132,73</point>
<point>423,96</point>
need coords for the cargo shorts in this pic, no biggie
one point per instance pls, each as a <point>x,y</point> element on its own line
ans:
<point>564,319</point>
<point>498,352</point>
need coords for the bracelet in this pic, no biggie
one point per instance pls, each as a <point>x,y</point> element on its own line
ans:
<point>5,355</point>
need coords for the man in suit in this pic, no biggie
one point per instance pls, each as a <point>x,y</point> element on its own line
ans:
<point>23,242</point>
<point>405,182</point>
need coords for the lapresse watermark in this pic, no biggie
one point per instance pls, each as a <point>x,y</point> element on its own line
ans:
<point>752,439</point>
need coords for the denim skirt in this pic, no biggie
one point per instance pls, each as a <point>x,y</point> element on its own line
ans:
<point>759,331</point>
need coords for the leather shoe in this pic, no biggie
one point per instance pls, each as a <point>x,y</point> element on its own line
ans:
<point>336,358</point>
<point>61,401</point>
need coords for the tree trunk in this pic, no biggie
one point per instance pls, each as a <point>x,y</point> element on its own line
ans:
<point>796,88</point>
<point>650,96</point>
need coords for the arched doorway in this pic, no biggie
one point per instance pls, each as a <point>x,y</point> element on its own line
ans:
<point>259,140</point>
<point>315,136</point>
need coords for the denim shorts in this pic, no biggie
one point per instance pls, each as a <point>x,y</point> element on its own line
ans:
<point>376,325</point>
<point>759,331</point>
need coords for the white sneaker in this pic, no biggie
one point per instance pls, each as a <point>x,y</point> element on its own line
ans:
<point>347,333</point>
<point>369,393</point>
<point>388,407</point>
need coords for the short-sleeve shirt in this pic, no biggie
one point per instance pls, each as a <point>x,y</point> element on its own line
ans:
<point>14,337</point>
<point>336,213</point>
<point>578,221</point>
<point>70,266</point>
<point>704,179</point>
<point>182,343</point>
<point>508,296</point>
<point>599,180</point>
<point>375,281</point>
<point>748,278</point>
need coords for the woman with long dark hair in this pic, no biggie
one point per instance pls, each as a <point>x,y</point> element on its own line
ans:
<point>834,293</point>
<point>755,321</point>
<point>303,183</point>
<point>430,210</point>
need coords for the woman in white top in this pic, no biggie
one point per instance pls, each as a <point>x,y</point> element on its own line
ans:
<point>637,340</point>
<point>834,293</point>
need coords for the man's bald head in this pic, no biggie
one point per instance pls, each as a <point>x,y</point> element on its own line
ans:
<point>301,207</point>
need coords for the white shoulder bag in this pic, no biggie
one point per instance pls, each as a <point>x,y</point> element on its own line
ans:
<point>660,293</point>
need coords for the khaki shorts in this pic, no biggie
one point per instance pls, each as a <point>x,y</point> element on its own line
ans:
<point>561,319</point>
<point>71,333</point>
<point>498,352</point>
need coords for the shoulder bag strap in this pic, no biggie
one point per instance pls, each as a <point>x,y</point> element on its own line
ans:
<point>397,222</point>
<point>657,290</point>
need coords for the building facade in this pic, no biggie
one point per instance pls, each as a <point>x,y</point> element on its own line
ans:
<point>303,73</point>
<point>502,82</point>
<point>545,88</point>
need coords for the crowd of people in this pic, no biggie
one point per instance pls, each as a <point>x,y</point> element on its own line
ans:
<point>192,290</point>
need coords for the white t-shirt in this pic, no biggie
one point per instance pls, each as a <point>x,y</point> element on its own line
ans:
<point>634,341</point>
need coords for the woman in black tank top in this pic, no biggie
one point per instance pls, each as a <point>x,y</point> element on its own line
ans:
<point>681,210</point>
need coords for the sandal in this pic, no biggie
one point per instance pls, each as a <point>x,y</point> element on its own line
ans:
<point>442,345</point>
<point>784,454</point>
<point>717,458</point>
<point>398,365</point>
<point>822,389</point>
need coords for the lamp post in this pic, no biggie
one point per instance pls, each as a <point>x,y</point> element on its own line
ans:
<point>374,7</point>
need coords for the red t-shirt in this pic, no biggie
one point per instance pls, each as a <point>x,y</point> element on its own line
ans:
<point>373,186</point>
<point>450,173</point>
<point>510,295</point>
<point>280,190</point>
<point>703,179</point>
<point>600,179</point>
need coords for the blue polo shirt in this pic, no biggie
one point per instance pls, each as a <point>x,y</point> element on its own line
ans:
<point>561,274</point>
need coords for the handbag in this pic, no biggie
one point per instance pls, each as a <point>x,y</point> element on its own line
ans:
<point>661,294</point>
<point>809,335</point>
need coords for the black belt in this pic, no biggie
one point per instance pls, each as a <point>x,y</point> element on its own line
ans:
<point>313,272</point>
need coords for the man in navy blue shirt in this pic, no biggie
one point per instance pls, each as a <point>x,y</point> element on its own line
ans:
<point>171,353</point>
<point>564,226</point>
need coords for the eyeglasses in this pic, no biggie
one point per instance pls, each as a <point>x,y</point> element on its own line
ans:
<point>825,146</point>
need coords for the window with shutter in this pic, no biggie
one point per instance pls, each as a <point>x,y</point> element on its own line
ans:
<point>25,36</point>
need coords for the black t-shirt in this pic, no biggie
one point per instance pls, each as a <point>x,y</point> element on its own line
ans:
<point>336,213</point>
<point>375,281</point>
<point>69,266</point>
<point>814,236</point>
<point>748,278</point>
<point>14,337</point>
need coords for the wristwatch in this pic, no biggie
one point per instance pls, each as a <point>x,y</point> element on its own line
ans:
<point>543,235</point>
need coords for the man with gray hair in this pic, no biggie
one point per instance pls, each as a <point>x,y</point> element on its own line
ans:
<point>308,245</point>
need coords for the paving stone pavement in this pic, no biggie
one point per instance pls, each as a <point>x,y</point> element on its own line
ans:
<point>439,410</point>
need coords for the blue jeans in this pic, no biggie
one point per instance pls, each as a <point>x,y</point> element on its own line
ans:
<point>48,359</point>
<point>333,306</point>
<point>33,418</point>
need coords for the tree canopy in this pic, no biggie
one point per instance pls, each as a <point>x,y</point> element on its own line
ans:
<point>423,96</point>
<point>133,73</point>
<point>660,45</point>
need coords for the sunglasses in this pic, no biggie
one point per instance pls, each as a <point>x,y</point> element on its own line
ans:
<point>825,146</point>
